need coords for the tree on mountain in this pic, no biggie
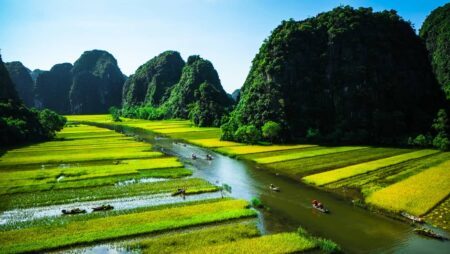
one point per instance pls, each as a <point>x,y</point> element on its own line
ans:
<point>152,82</point>
<point>436,33</point>
<point>199,94</point>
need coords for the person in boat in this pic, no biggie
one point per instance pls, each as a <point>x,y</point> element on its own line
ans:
<point>317,204</point>
<point>209,157</point>
<point>194,156</point>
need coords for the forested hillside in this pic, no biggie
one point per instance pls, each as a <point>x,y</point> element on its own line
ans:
<point>436,33</point>
<point>345,76</point>
<point>152,82</point>
<point>18,124</point>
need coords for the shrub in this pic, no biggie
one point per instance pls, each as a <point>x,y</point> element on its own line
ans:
<point>271,130</point>
<point>247,134</point>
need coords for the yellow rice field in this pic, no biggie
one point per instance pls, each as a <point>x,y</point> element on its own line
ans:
<point>417,194</point>
<point>342,173</point>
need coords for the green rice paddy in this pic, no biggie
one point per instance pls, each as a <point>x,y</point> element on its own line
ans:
<point>367,169</point>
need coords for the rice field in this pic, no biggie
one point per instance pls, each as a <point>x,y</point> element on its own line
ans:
<point>86,164</point>
<point>342,173</point>
<point>55,236</point>
<point>305,154</point>
<point>192,240</point>
<point>417,194</point>
<point>368,170</point>
<point>277,243</point>
<point>309,165</point>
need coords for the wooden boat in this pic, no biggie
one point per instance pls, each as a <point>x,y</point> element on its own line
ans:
<point>321,209</point>
<point>209,157</point>
<point>179,192</point>
<point>429,233</point>
<point>102,208</point>
<point>412,217</point>
<point>73,211</point>
<point>194,157</point>
<point>274,188</point>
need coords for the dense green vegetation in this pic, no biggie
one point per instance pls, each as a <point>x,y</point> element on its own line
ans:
<point>18,124</point>
<point>344,76</point>
<point>151,83</point>
<point>52,88</point>
<point>436,33</point>
<point>24,85</point>
<point>197,95</point>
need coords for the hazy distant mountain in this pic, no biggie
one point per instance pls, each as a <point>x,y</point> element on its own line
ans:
<point>24,85</point>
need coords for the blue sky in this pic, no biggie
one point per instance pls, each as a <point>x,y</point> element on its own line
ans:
<point>41,33</point>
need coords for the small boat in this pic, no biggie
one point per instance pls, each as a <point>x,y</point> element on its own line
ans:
<point>274,188</point>
<point>179,192</point>
<point>73,211</point>
<point>209,157</point>
<point>429,233</point>
<point>412,217</point>
<point>102,208</point>
<point>318,206</point>
<point>194,157</point>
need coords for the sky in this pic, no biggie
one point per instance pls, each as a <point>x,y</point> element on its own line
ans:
<point>41,33</point>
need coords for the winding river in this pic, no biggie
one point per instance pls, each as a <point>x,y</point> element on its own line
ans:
<point>354,229</point>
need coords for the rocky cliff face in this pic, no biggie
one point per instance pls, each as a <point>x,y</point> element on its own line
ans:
<point>24,85</point>
<point>351,75</point>
<point>152,82</point>
<point>97,83</point>
<point>199,94</point>
<point>52,88</point>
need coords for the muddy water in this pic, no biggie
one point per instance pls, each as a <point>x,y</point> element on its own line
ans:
<point>355,229</point>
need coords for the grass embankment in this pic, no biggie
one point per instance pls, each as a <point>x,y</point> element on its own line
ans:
<point>341,173</point>
<point>37,239</point>
<point>52,197</point>
<point>417,194</point>
<point>181,242</point>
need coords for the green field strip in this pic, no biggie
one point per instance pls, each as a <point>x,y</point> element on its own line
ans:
<point>307,153</point>
<point>417,194</point>
<point>194,135</point>
<point>301,167</point>
<point>341,173</point>
<point>211,235</point>
<point>249,149</point>
<point>62,196</point>
<point>213,143</point>
<point>36,239</point>
<point>276,244</point>
<point>24,180</point>
<point>391,174</point>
